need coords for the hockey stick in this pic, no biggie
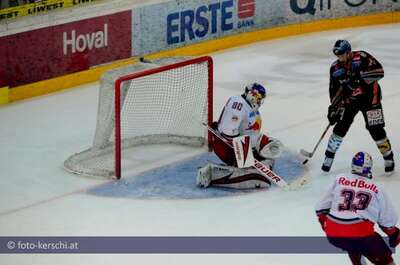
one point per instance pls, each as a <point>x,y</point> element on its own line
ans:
<point>310,154</point>
<point>263,169</point>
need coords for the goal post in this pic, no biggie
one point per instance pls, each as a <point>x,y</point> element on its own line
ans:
<point>163,101</point>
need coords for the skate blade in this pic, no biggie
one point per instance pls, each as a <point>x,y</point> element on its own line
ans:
<point>305,153</point>
<point>388,174</point>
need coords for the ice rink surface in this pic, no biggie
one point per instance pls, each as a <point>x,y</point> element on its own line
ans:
<point>38,198</point>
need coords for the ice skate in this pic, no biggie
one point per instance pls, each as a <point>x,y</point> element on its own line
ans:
<point>326,166</point>
<point>389,167</point>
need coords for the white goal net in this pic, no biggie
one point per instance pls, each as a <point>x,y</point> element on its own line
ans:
<point>165,101</point>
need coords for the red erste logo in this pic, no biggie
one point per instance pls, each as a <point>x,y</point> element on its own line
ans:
<point>246,8</point>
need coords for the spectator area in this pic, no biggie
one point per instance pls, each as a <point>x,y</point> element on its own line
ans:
<point>10,9</point>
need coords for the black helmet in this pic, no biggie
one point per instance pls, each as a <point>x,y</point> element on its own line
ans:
<point>341,47</point>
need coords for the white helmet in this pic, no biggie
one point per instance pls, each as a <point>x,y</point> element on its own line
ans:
<point>255,94</point>
<point>361,164</point>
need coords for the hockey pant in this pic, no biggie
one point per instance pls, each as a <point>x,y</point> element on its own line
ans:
<point>374,123</point>
<point>373,117</point>
<point>373,247</point>
<point>358,237</point>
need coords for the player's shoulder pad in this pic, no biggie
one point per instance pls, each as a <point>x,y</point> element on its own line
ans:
<point>362,54</point>
<point>237,99</point>
<point>233,99</point>
<point>334,63</point>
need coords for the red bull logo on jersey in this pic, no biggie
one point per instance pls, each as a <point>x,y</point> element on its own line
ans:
<point>358,183</point>
<point>256,125</point>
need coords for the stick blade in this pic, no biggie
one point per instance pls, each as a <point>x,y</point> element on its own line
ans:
<point>305,153</point>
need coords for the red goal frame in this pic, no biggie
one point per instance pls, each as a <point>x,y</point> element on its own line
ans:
<point>117,97</point>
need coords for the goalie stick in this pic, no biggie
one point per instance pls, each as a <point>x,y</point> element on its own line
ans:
<point>263,169</point>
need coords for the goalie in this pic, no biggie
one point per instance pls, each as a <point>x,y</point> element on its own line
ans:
<point>239,117</point>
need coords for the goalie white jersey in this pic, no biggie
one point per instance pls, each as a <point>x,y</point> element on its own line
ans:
<point>239,118</point>
<point>353,197</point>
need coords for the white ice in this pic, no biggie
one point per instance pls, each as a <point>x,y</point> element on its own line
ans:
<point>38,198</point>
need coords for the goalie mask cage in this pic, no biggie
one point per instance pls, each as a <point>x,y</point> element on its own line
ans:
<point>165,101</point>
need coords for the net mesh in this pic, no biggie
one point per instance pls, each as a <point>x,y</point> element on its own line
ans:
<point>165,107</point>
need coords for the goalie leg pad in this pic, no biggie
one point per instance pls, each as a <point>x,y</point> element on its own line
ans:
<point>231,177</point>
<point>204,176</point>
<point>223,151</point>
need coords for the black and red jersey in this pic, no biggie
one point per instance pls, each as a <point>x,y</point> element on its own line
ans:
<point>357,79</point>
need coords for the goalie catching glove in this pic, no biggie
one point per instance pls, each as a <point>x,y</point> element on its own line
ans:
<point>268,147</point>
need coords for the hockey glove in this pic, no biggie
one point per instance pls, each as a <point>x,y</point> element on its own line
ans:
<point>393,234</point>
<point>335,114</point>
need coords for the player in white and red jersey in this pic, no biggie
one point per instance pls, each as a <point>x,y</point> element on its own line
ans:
<point>348,212</point>
<point>240,116</point>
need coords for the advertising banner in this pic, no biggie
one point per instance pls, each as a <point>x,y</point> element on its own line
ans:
<point>39,8</point>
<point>175,24</point>
<point>309,10</point>
<point>54,51</point>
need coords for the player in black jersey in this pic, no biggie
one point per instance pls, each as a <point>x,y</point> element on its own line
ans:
<point>354,85</point>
